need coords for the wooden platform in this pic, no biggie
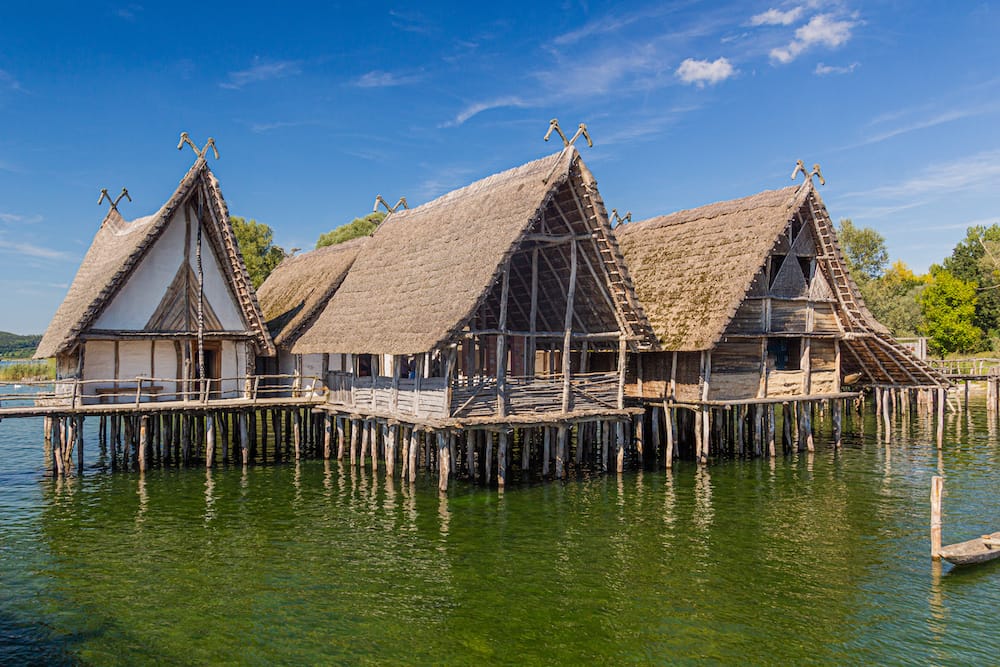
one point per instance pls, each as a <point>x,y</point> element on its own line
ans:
<point>152,407</point>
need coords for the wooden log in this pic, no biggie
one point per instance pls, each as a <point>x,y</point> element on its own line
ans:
<point>886,415</point>
<point>143,432</point>
<point>57,466</point>
<point>835,417</point>
<point>411,455</point>
<point>366,432</point>
<point>770,430</point>
<point>340,437</point>
<point>443,464</point>
<point>758,430</point>
<point>668,420</point>
<point>937,487</point>
<point>390,451</point>
<point>374,444</point>
<point>655,430</point>
<point>640,432</point>
<point>354,442</point>
<point>79,445</point>
<point>297,433</point>
<point>619,446</point>
<point>470,453</point>
<point>567,396</point>
<point>561,440</point>
<point>706,429</point>
<point>787,419</point>
<point>940,417</point>
<point>504,437</point>
<point>525,449</point>
<point>209,441</point>
<point>244,438</point>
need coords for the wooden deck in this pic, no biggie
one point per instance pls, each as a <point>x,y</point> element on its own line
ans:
<point>192,407</point>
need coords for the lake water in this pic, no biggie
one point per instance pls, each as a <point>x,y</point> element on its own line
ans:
<point>818,559</point>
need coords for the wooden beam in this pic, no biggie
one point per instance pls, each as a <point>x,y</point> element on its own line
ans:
<point>568,326</point>
<point>555,239</point>
<point>502,344</point>
<point>532,320</point>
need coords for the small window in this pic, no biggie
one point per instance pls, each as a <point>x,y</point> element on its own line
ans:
<point>776,262</point>
<point>364,365</point>
<point>784,354</point>
<point>807,264</point>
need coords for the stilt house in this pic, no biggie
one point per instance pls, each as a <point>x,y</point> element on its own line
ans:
<point>752,302</point>
<point>291,298</point>
<point>160,303</point>
<point>496,303</point>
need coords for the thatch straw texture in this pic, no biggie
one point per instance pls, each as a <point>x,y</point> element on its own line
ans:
<point>693,268</point>
<point>119,246</point>
<point>301,285</point>
<point>426,269</point>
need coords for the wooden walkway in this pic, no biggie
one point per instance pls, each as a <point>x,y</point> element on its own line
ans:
<point>151,407</point>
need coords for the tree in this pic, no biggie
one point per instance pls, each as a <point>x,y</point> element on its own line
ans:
<point>948,305</point>
<point>894,299</point>
<point>864,249</point>
<point>352,230</point>
<point>256,245</point>
<point>976,259</point>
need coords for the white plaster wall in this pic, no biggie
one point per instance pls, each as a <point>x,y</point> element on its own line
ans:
<point>137,300</point>
<point>134,304</point>
<point>133,359</point>
<point>99,360</point>
<point>233,368</point>
<point>165,366</point>
<point>312,367</point>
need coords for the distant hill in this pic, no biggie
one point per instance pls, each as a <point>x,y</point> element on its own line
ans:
<point>14,346</point>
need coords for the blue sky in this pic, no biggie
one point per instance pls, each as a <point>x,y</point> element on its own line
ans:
<point>316,109</point>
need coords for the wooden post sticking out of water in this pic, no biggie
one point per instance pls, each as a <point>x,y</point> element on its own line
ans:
<point>835,415</point>
<point>244,438</point>
<point>668,419</point>
<point>937,487</point>
<point>940,417</point>
<point>209,440</point>
<point>443,455</point>
<point>770,430</point>
<point>546,450</point>
<point>411,465</point>
<point>327,436</point>
<point>143,432</point>
<point>502,459</point>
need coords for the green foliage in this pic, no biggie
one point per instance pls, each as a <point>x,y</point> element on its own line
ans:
<point>975,260</point>
<point>352,230</point>
<point>256,244</point>
<point>948,305</point>
<point>864,249</point>
<point>894,299</point>
<point>14,346</point>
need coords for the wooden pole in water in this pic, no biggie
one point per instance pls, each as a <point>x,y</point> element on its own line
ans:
<point>79,445</point>
<point>297,433</point>
<point>209,440</point>
<point>143,432</point>
<point>770,429</point>
<point>619,447</point>
<point>411,456</point>
<point>340,438</point>
<point>940,417</point>
<point>668,420</point>
<point>244,438</point>
<point>937,486</point>
<point>546,450</point>
<point>640,427</point>
<point>327,436</point>
<point>390,451</point>
<point>443,464</point>
<point>489,457</point>
<point>366,430</point>
<point>354,442</point>
<point>835,416</point>
<point>502,459</point>
<point>656,429</point>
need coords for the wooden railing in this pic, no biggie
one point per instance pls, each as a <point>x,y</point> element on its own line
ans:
<point>526,395</point>
<point>73,393</point>
<point>972,367</point>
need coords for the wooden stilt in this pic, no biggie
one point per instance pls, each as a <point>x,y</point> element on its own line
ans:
<point>297,433</point>
<point>390,450</point>
<point>210,441</point>
<point>937,486</point>
<point>640,432</point>
<point>668,418</point>
<point>835,417</point>
<point>770,429</point>
<point>940,416</point>
<point>470,454</point>
<point>443,463</point>
<point>143,432</point>
<point>366,428</point>
<point>525,450</point>
<point>489,457</point>
<point>244,438</point>
<point>504,436</point>
<point>619,447</point>
<point>655,426</point>
<point>411,455</point>
<point>546,450</point>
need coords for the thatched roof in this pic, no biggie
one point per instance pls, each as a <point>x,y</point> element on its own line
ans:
<point>301,285</point>
<point>692,268</point>
<point>426,270</point>
<point>120,245</point>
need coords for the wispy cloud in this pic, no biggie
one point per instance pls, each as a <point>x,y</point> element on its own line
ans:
<point>701,72</point>
<point>262,127</point>
<point>824,70</point>
<point>261,70</point>
<point>777,17</point>
<point>410,21</point>
<point>821,30</point>
<point>13,218</point>
<point>975,172</point>
<point>602,26</point>
<point>380,79</point>
<point>933,120</point>
<point>479,107</point>
<point>32,250</point>
<point>8,81</point>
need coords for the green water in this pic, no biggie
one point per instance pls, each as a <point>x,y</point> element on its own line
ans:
<point>807,559</point>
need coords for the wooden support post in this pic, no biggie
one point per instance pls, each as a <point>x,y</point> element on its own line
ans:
<point>805,428</point>
<point>567,335</point>
<point>668,422</point>
<point>489,457</point>
<point>374,444</point>
<point>210,440</point>
<point>244,437</point>
<point>940,416</point>
<point>640,429</point>
<point>937,487</point>
<point>706,430</point>
<point>502,344</point>
<point>412,456</point>
<point>835,417</point>
<point>340,437</point>
<point>443,463</point>
<point>886,415</point>
<point>563,437</point>
<point>470,453</point>
<point>185,437</point>
<point>656,430</point>
<point>327,436</point>
<point>297,433</point>
<point>366,432</point>
<point>758,429</point>
<point>619,447</point>
<point>504,437</point>
<point>143,432</point>
<point>390,450</point>
<point>770,429</point>
<point>525,450</point>
<point>57,437</point>
<point>354,441</point>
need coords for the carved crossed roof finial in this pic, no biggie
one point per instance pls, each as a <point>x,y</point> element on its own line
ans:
<point>185,139</point>
<point>113,202</point>
<point>800,166</point>
<point>618,219</point>
<point>390,209</point>
<point>580,131</point>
